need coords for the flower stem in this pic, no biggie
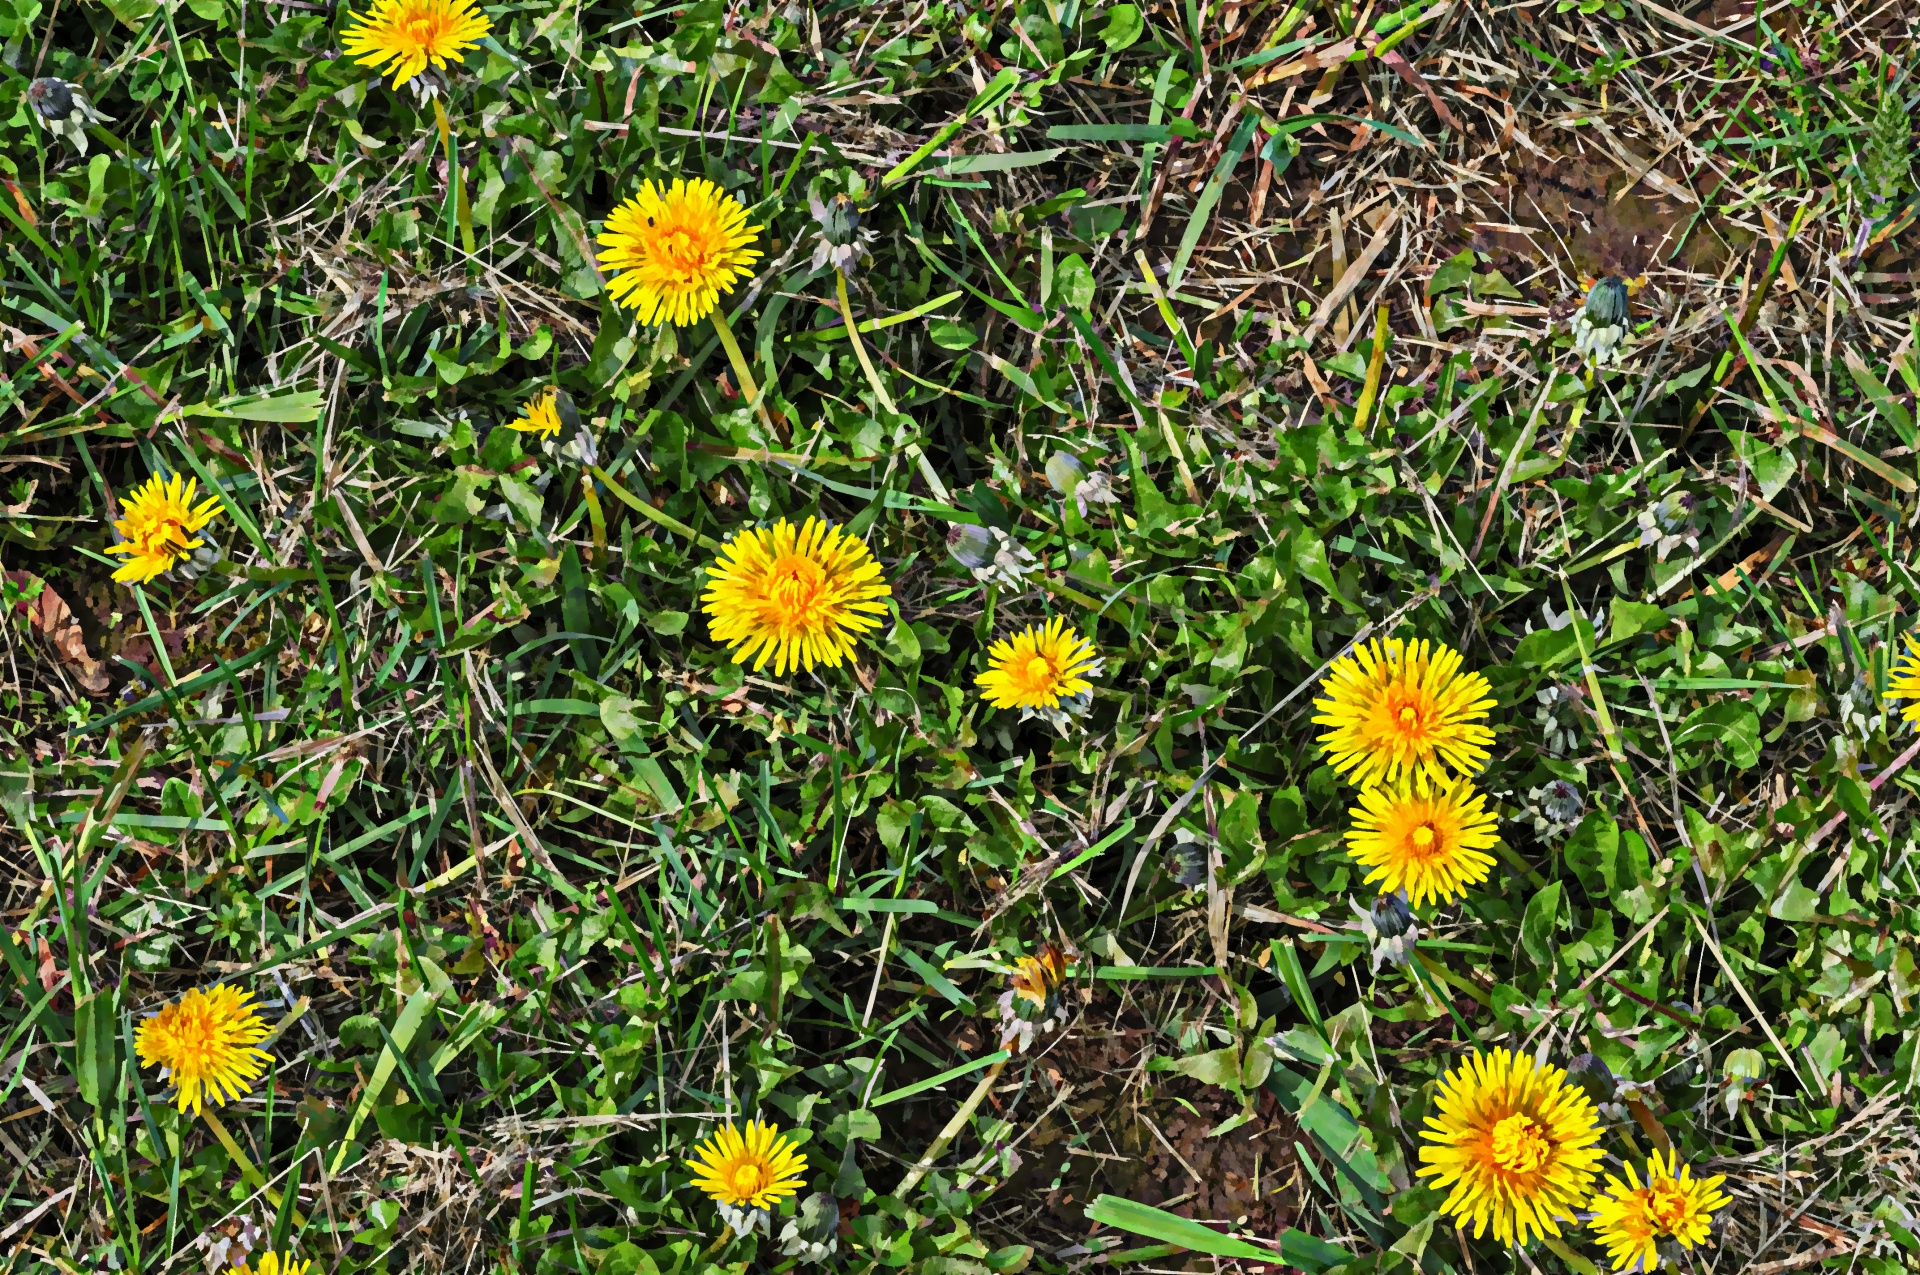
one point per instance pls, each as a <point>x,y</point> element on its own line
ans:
<point>967,1108</point>
<point>1559,1248</point>
<point>883,399</point>
<point>726,1233</point>
<point>741,371</point>
<point>640,506</point>
<point>244,1164</point>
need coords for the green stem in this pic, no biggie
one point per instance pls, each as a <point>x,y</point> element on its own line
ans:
<point>881,398</point>
<point>1559,1248</point>
<point>960,1117</point>
<point>641,507</point>
<point>741,371</point>
<point>244,1164</point>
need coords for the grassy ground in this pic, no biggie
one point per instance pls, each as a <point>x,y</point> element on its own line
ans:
<point>439,759</point>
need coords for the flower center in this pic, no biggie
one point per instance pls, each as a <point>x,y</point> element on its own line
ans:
<point>1668,1206</point>
<point>748,1180</point>
<point>685,254</point>
<point>423,32</point>
<point>1039,673</point>
<point>1519,1146</point>
<point>795,587</point>
<point>1423,839</point>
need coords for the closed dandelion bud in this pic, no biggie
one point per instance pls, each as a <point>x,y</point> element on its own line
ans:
<point>1564,803</point>
<point>1065,472</point>
<point>1592,1075</point>
<point>843,244</point>
<point>1187,863</point>
<point>1600,329</point>
<point>1673,1083</point>
<point>52,98</point>
<point>65,110</point>
<point>839,220</point>
<point>971,546</point>
<point>1391,915</point>
<point>1607,302</point>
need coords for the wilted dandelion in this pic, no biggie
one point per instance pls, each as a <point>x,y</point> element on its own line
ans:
<point>797,596</point>
<point>674,249</point>
<point>1032,999</point>
<point>1631,1219</point>
<point>540,416</point>
<point>406,36</point>
<point>205,1042</point>
<point>1514,1144</point>
<point>158,525</point>
<point>1395,707</point>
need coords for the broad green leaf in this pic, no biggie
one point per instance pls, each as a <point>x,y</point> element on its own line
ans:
<point>96,1047</point>
<point>1537,925</point>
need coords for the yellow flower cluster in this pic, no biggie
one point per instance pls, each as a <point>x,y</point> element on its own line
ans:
<point>1407,726</point>
<point>1515,1144</point>
<point>797,597</point>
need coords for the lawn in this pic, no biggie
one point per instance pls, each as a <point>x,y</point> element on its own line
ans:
<point>1222,634</point>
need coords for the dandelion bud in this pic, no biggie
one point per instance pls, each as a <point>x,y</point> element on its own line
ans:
<point>1065,472</point>
<point>1607,301</point>
<point>972,546</point>
<point>843,244</point>
<point>52,98</point>
<point>1600,328</point>
<point>1564,802</point>
<point>1187,863</point>
<point>1592,1075</point>
<point>1391,915</point>
<point>65,110</point>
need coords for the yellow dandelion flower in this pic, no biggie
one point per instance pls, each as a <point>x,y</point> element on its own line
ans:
<point>755,1170</point>
<point>1630,1219</point>
<point>273,1264</point>
<point>540,416</point>
<point>1515,1143</point>
<point>403,36</point>
<point>1903,679</point>
<point>1425,836</point>
<point>795,595</point>
<point>157,528</point>
<point>205,1042</point>
<point>674,249</point>
<point>1394,707</point>
<point>1037,667</point>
